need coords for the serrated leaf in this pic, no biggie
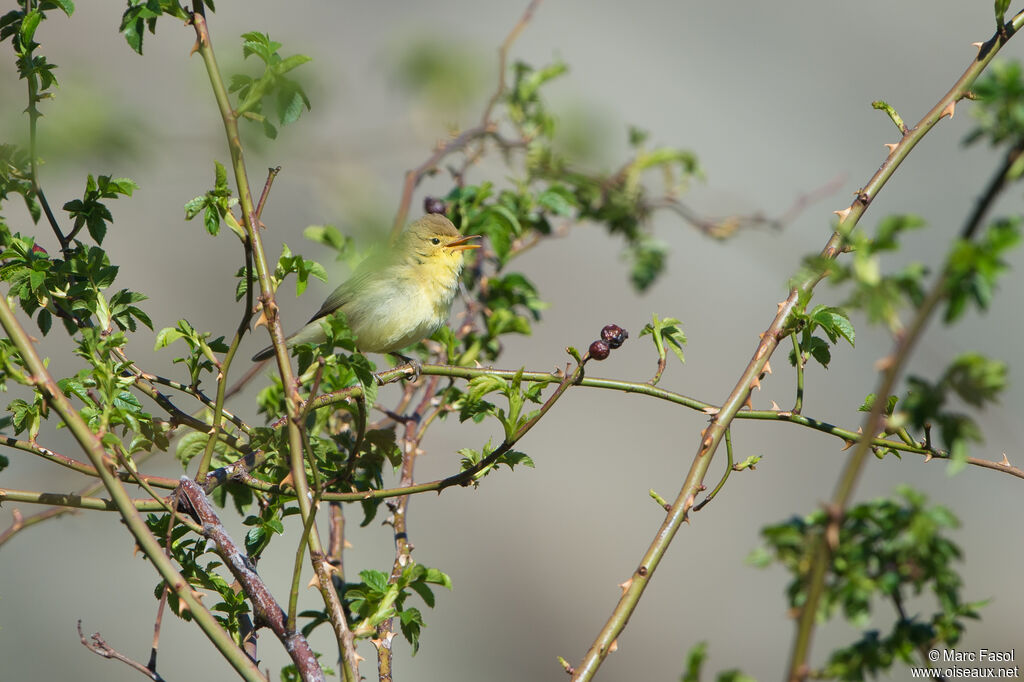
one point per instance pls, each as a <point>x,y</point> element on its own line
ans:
<point>484,384</point>
<point>190,445</point>
<point>29,23</point>
<point>819,350</point>
<point>834,322</point>
<point>166,337</point>
<point>375,580</point>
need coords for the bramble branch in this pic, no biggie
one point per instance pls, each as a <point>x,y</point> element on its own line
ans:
<point>265,607</point>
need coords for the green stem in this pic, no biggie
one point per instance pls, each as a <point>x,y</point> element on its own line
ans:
<point>300,555</point>
<point>798,354</point>
<point>725,474</point>
<point>239,470</point>
<point>74,500</point>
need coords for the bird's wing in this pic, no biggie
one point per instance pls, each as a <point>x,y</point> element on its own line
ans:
<point>367,270</point>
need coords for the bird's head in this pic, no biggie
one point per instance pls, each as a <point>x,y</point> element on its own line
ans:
<point>434,240</point>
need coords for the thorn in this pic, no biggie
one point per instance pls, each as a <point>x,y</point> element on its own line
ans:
<point>314,582</point>
<point>928,457</point>
<point>891,146</point>
<point>755,383</point>
<point>1005,462</point>
<point>261,321</point>
<point>948,111</point>
<point>832,535</point>
<point>775,406</point>
<point>613,647</point>
<point>768,368</point>
<point>711,411</point>
<point>625,586</point>
<point>842,214</point>
<point>977,45</point>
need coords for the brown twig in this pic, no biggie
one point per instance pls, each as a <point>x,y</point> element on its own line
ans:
<point>99,646</point>
<point>415,175</point>
<point>399,520</point>
<point>271,175</point>
<point>721,228</point>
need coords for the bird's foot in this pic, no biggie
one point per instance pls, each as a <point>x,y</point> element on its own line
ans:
<point>413,363</point>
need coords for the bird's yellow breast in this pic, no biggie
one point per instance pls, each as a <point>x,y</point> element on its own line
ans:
<point>403,305</point>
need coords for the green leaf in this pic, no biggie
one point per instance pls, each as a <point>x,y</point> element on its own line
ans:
<point>512,458</point>
<point>66,6</point>
<point>190,445</point>
<point>976,379</point>
<point>666,334</point>
<point>834,322</point>
<point>166,337</point>
<point>194,206</point>
<point>485,383</point>
<point>869,403</point>
<point>695,658</point>
<point>29,23</point>
<point>220,177</point>
<point>375,580</point>
<point>558,202</point>
<point>819,350</point>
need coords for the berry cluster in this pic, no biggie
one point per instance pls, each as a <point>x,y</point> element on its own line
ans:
<point>612,336</point>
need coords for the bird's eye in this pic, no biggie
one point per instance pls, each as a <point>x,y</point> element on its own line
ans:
<point>435,240</point>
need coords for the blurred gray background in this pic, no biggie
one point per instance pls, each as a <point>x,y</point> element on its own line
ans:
<point>773,97</point>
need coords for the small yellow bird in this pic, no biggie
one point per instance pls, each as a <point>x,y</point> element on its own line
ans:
<point>399,297</point>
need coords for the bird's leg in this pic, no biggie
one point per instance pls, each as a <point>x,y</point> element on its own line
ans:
<point>416,365</point>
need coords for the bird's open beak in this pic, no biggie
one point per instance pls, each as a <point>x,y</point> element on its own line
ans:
<point>460,244</point>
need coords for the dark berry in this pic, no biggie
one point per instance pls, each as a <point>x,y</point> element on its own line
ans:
<point>614,335</point>
<point>434,205</point>
<point>599,350</point>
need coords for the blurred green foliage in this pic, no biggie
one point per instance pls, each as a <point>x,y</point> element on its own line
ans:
<point>887,552</point>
